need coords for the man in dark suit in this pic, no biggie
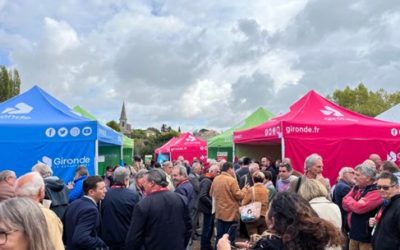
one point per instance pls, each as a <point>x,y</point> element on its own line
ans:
<point>161,220</point>
<point>81,219</point>
<point>116,210</point>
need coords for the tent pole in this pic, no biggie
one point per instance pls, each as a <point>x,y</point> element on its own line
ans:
<point>96,158</point>
<point>122,149</point>
<point>283,147</point>
<point>233,152</point>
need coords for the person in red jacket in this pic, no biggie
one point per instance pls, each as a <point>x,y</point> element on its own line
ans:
<point>361,203</point>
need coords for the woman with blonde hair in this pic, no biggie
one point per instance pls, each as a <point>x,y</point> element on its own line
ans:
<point>23,226</point>
<point>260,193</point>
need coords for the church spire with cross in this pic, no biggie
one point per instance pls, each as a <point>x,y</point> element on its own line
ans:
<point>123,121</point>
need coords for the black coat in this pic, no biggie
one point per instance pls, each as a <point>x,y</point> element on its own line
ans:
<point>81,221</point>
<point>342,188</point>
<point>205,201</point>
<point>116,214</point>
<point>160,221</point>
<point>387,232</point>
<point>56,191</point>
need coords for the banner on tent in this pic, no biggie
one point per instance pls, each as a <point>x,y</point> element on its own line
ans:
<point>222,156</point>
<point>63,158</point>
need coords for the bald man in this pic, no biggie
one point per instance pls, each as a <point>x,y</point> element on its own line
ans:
<point>31,185</point>
<point>377,161</point>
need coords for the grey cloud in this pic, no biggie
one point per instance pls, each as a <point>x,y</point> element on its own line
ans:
<point>255,89</point>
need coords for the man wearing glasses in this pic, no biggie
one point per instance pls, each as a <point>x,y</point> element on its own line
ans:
<point>362,203</point>
<point>386,234</point>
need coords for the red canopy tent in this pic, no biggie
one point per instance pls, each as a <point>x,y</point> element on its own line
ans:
<point>164,149</point>
<point>185,145</point>
<point>317,125</point>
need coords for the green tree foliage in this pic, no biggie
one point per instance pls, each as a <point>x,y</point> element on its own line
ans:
<point>364,101</point>
<point>146,145</point>
<point>10,83</point>
<point>114,125</point>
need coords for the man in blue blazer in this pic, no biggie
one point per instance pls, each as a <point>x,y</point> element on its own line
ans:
<point>82,219</point>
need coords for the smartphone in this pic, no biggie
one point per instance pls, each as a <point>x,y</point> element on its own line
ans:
<point>232,229</point>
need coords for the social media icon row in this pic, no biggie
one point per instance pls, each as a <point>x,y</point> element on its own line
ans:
<point>63,132</point>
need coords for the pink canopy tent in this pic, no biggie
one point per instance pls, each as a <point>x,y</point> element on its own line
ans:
<point>185,145</point>
<point>317,125</point>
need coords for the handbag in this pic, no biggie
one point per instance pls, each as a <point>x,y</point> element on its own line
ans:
<point>250,212</point>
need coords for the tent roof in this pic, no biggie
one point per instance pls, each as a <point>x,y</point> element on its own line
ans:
<point>165,148</point>
<point>225,139</point>
<point>392,114</point>
<point>185,140</point>
<point>105,134</point>
<point>188,140</point>
<point>37,116</point>
<point>315,116</point>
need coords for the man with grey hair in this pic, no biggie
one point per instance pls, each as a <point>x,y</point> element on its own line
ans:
<point>7,181</point>
<point>183,185</point>
<point>342,188</point>
<point>116,209</point>
<point>247,178</point>
<point>361,203</point>
<point>167,166</point>
<point>313,166</point>
<point>31,185</point>
<point>55,189</point>
<point>161,220</point>
<point>137,184</point>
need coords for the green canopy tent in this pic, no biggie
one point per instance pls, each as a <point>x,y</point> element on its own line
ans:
<point>128,147</point>
<point>109,154</point>
<point>221,146</point>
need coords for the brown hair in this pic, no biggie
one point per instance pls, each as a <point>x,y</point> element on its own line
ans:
<point>299,225</point>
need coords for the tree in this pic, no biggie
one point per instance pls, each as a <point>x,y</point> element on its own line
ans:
<point>10,83</point>
<point>114,125</point>
<point>363,101</point>
<point>163,127</point>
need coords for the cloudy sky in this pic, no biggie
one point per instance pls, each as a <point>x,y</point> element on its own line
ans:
<point>198,64</point>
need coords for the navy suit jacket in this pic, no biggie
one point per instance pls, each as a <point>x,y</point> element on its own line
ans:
<point>81,221</point>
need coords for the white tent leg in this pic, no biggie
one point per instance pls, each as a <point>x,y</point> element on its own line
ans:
<point>96,158</point>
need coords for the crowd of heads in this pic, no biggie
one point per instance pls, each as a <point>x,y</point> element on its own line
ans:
<point>289,213</point>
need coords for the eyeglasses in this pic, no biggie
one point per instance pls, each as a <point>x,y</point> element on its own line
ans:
<point>386,188</point>
<point>3,236</point>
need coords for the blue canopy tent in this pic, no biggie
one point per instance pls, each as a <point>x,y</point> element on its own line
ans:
<point>110,142</point>
<point>36,127</point>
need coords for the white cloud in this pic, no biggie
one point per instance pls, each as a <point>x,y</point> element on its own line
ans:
<point>60,36</point>
<point>206,96</point>
<point>190,63</point>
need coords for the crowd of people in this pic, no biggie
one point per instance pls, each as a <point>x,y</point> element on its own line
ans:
<point>173,204</point>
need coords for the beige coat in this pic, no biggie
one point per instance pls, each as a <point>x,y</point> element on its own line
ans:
<point>55,227</point>
<point>227,195</point>
<point>329,211</point>
<point>261,194</point>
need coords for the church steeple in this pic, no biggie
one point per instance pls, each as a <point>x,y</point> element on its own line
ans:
<point>123,120</point>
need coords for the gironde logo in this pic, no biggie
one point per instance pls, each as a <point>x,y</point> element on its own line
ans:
<point>18,112</point>
<point>46,160</point>
<point>19,109</point>
<point>190,138</point>
<point>61,162</point>
<point>392,156</point>
<point>329,111</point>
